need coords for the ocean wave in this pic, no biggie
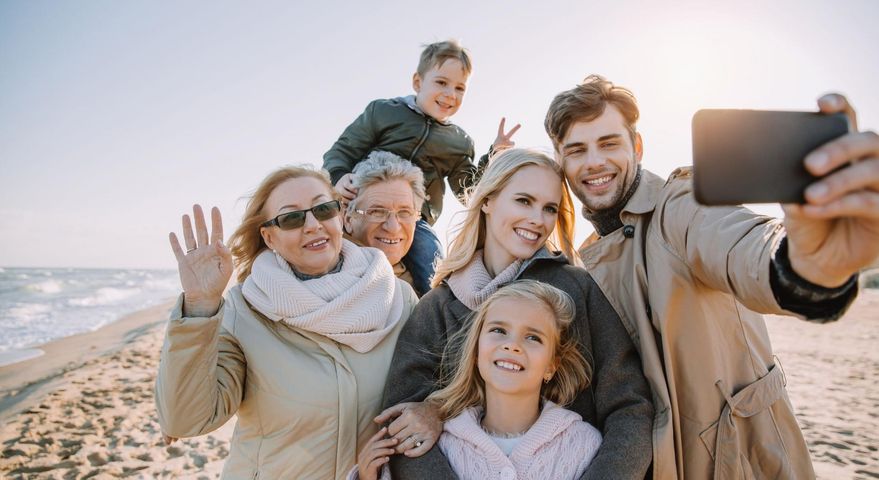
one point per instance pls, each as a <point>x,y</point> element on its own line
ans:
<point>170,284</point>
<point>48,286</point>
<point>104,296</point>
<point>27,311</point>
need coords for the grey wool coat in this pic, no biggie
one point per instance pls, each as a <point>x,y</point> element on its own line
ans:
<point>617,402</point>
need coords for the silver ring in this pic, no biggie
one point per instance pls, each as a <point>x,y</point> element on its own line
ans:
<point>191,250</point>
<point>418,443</point>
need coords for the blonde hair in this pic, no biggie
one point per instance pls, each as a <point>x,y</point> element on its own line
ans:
<point>465,387</point>
<point>435,54</point>
<point>469,234</point>
<point>247,242</point>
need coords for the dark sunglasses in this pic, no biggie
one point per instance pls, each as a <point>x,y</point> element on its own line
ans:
<point>296,218</point>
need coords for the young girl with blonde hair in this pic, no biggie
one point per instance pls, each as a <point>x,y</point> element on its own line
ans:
<point>514,368</point>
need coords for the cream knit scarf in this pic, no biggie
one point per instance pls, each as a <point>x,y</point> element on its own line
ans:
<point>472,284</point>
<point>356,307</point>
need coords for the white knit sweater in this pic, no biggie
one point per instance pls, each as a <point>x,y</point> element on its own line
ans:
<point>560,445</point>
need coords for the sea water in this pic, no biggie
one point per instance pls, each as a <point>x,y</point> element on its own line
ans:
<point>38,305</point>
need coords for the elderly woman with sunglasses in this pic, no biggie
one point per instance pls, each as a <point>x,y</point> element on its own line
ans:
<point>300,347</point>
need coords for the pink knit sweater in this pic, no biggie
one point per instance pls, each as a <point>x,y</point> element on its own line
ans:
<point>560,445</point>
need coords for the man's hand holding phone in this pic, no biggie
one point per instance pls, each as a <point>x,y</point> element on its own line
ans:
<point>835,233</point>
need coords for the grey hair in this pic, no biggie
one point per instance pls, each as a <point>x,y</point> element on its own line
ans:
<point>381,166</point>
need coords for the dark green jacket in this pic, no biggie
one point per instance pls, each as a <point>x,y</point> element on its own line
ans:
<point>617,401</point>
<point>398,126</point>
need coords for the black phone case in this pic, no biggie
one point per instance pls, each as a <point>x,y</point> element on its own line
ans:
<point>755,156</point>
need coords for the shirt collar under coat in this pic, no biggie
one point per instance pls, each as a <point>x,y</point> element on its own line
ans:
<point>409,100</point>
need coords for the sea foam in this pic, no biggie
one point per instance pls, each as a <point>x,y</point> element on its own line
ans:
<point>38,305</point>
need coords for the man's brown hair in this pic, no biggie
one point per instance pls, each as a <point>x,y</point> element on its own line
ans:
<point>435,54</point>
<point>585,103</point>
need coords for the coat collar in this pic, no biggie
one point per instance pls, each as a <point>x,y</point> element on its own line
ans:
<point>645,196</point>
<point>409,100</point>
<point>643,201</point>
<point>460,311</point>
<point>544,254</point>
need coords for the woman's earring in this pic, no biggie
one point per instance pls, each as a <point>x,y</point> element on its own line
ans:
<point>547,378</point>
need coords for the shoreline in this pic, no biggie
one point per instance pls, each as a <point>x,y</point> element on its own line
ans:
<point>23,381</point>
<point>11,357</point>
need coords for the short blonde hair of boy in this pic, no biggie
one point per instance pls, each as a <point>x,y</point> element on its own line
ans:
<point>435,54</point>
<point>469,234</point>
<point>465,387</point>
<point>247,242</point>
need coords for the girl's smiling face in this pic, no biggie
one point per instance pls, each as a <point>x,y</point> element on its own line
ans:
<point>516,347</point>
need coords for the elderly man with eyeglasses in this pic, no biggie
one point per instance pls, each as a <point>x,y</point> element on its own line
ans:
<point>390,192</point>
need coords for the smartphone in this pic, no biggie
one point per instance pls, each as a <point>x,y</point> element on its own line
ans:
<point>756,156</point>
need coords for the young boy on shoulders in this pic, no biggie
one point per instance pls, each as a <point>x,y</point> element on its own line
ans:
<point>417,128</point>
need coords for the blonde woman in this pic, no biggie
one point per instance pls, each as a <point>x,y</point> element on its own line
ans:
<point>299,349</point>
<point>520,207</point>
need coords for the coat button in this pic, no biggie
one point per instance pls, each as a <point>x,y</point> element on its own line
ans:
<point>628,231</point>
<point>508,473</point>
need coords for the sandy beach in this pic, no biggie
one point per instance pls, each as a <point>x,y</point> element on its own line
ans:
<point>85,409</point>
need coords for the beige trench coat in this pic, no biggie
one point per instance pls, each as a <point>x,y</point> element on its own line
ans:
<point>687,285</point>
<point>305,403</point>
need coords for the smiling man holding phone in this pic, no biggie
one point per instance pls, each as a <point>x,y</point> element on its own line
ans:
<point>690,281</point>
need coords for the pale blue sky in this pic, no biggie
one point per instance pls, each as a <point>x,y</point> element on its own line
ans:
<point>116,116</point>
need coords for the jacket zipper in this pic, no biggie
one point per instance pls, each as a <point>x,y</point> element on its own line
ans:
<point>421,142</point>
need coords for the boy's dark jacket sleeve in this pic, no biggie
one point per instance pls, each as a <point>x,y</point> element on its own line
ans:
<point>412,377</point>
<point>352,146</point>
<point>465,174</point>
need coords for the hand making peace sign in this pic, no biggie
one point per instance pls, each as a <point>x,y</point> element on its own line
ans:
<point>504,140</point>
